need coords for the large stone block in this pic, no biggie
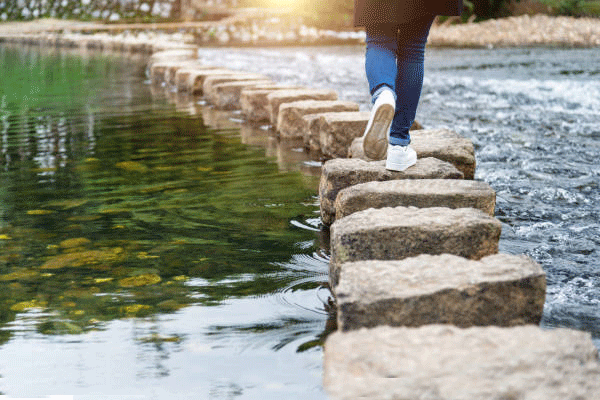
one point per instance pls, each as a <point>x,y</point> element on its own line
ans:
<point>227,95</point>
<point>420,193</point>
<point>172,70</point>
<point>211,81</point>
<point>443,144</point>
<point>255,103</point>
<point>501,290</point>
<point>197,78</point>
<point>337,131</point>
<point>402,232</point>
<point>290,122</point>
<point>443,362</point>
<point>279,97</point>
<point>338,174</point>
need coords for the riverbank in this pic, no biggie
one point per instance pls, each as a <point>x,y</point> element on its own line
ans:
<point>538,30</point>
<point>252,28</point>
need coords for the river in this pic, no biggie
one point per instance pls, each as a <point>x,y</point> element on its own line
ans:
<point>149,252</point>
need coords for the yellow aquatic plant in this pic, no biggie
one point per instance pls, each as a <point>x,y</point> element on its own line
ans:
<point>135,308</point>
<point>25,305</point>
<point>39,212</point>
<point>133,166</point>
<point>140,280</point>
<point>89,257</point>
<point>75,242</point>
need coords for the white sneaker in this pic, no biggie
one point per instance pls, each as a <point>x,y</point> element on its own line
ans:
<point>400,157</point>
<point>376,134</point>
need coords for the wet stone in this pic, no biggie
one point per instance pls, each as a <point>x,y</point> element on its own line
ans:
<point>444,362</point>
<point>402,232</point>
<point>171,71</point>
<point>443,144</point>
<point>420,193</point>
<point>336,131</point>
<point>501,290</point>
<point>255,103</point>
<point>290,122</point>
<point>197,78</point>
<point>211,81</point>
<point>227,95</point>
<point>289,96</point>
<point>338,174</point>
<point>183,76</point>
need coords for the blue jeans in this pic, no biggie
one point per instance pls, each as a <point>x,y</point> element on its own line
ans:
<point>394,59</point>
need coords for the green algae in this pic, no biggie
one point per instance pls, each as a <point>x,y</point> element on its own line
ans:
<point>132,166</point>
<point>89,258</point>
<point>140,280</point>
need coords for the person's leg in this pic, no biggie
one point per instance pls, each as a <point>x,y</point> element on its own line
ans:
<point>380,58</point>
<point>410,55</point>
<point>380,66</point>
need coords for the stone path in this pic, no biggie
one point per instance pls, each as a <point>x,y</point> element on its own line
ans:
<point>409,250</point>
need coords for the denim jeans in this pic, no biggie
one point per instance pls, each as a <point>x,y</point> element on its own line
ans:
<point>394,59</point>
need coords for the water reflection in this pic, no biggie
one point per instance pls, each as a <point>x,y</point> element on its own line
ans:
<point>136,226</point>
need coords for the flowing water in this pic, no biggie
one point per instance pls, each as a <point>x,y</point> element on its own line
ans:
<point>534,117</point>
<point>150,249</point>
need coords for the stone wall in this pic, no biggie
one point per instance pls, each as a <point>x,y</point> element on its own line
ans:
<point>109,10</point>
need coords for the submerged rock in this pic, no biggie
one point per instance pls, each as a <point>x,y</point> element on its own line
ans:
<point>140,280</point>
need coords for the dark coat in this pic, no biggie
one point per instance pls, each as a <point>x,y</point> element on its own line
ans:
<point>377,12</point>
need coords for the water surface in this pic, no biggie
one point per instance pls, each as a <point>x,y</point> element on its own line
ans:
<point>532,114</point>
<point>143,252</point>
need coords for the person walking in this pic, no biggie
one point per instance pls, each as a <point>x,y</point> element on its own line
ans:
<point>397,32</point>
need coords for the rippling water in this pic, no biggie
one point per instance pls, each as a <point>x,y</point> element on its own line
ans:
<point>149,248</point>
<point>534,117</point>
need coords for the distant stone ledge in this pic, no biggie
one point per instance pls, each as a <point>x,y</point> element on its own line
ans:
<point>522,31</point>
<point>250,28</point>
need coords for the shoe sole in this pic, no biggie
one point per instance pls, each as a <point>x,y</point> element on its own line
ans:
<point>376,138</point>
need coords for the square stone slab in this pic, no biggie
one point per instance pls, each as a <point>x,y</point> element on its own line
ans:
<point>420,193</point>
<point>442,362</point>
<point>336,131</point>
<point>227,95</point>
<point>211,81</point>
<point>182,76</point>
<point>340,173</point>
<point>276,99</point>
<point>402,232</point>
<point>502,290</point>
<point>443,144</point>
<point>290,122</point>
<point>197,77</point>
<point>255,103</point>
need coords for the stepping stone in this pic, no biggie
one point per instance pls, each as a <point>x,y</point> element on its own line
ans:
<point>255,103</point>
<point>338,174</point>
<point>443,362</point>
<point>420,193</point>
<point>290,122</point>
<point>172,55</point>
<point>443,144</point>
<point>171,71</point>
<point>183,76</point>
<point>197,78</point>
<point>279,97</point>
<point>213,80</point>
<point>401,232</point>
<point>227,95</point>
<point>336,131</point>
<point>501,290</point>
